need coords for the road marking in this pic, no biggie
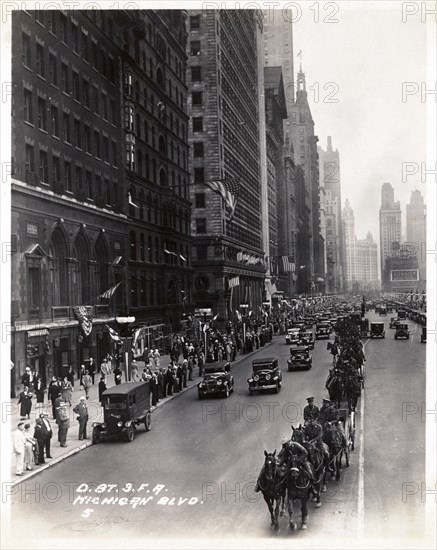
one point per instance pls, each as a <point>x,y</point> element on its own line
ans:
<point>360,530</point>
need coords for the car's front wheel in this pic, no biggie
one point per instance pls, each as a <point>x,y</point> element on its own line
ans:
<point>148,422</point>
<point>278,387</point>
<point>96,436</point>
<point>227,392</point>
<point>130,434</point>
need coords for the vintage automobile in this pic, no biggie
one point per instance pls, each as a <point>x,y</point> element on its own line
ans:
<point>323,330</point>
<point>292,336</point>
<point>299,324</point>
<point>300,358</point>
<point>423,335</point>
<point>266,375</point>
<point>394,321</point>
<point>377,330</point>
<point>217,379</point>
<point>306,338</point>
<point>402,314</point>
<point>125,407</point>
<point>383,310</point>
<point>309,321</point>
<point>402,331</point>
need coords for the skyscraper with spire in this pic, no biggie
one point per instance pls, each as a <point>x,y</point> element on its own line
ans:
<point>349,241</point>
<point>416,229</point>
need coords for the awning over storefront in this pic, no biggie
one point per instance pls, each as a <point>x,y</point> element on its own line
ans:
<point>37,333</point>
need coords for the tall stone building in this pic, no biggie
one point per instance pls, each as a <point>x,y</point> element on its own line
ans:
<point>389,227</point>
<point>348,221</point>
<point>100,184</point>
<point>224,134</point>
<point>329,166</point>
<point>366,263</point>
<point>156,149</point>
<point>276,113</point>
<point>69,197</point>
<point>416,230</point>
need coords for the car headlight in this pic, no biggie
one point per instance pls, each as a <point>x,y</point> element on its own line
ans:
<point>119,424</point>
<point>104,425</point>
<point>275,377</point>
<point>219,382</point>
<point>268,376</point>
<point>250,380</point>
<point>256,378</point>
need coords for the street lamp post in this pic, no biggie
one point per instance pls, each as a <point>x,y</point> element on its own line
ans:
<point>244,307</point>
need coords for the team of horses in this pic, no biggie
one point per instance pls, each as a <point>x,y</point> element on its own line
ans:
<point>283,479</point>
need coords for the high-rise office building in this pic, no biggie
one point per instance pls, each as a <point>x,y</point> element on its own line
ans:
<point>389,226</point>
<point>416,229</point>
<point>348,221</point>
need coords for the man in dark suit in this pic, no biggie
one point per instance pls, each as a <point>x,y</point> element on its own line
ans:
<point>54,392</point>
<point>82,417</point>
<point>43,434</point>
<point>92,369</point>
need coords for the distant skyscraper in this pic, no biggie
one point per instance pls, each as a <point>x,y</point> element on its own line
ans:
<point>389,223</point>
<point>416,229</point>
<point>366,266</point>
<point>349,241</point>
<point>329,176</point>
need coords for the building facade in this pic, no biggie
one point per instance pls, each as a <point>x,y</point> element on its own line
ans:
<point>224,135</point>
<point>329,174</point>
<point>389,227</point>
<point>68,188</point>
<point>366,263</point>
<point>156,153</point>
<point>416,231</point>
<point>100,188</point>
<point>348,221</point>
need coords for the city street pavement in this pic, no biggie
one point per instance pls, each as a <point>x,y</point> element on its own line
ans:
<point>95,411</point>
<point>193,474</point>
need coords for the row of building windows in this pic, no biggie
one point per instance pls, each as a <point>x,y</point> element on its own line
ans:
<point>170,253</point>
<point>78,41</point>
<point>148,290</point>
<point>68,177</point>
<point>70,129</point>
<point>150,211</point>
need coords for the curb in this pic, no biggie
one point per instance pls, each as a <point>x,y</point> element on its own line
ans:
<point>89,443</point>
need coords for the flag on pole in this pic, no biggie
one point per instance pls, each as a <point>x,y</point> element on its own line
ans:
<point>228,189</point>
<point>238,315</point>
<point>110,293</point>
<point>235,281</point>
<point>113,334</point>
<point>287,265</point>
<point>131,201</point>
<point>84,314</point>
<point>215,317</point>
<point>182,258</point>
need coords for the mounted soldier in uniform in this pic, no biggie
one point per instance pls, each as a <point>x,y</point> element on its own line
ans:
<point>310,412</point>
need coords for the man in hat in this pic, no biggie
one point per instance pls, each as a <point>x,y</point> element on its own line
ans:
<point>43,434</point>
<point>54,392</point>
<point>27,378</point>
<point>328,412</point>
<point>311,412</point>
<point>81,410</point>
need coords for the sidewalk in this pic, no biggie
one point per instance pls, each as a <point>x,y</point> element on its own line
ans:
<point>95,414</point>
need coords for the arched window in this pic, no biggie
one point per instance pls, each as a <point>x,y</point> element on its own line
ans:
<point>157,250</point>
<point>81,251</point>
<point>156,211</point>
<point>101,252</point>
<point>147,167</point>
<point>58,252</point>
<point>150,248</point>
<point>134,291</point>
<point>143,290</point>
<point>149,207</point>
<point>133,245</point>
<point>154,171</point>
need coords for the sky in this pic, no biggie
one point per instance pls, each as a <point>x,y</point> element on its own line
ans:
<point>368,54</point>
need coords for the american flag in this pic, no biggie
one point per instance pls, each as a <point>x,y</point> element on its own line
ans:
<point>84,315</point>
<point>287,265</point>
<point>228,189</point>
<point>235,281</point>
<point>110,293</point>
<point>113,334</point>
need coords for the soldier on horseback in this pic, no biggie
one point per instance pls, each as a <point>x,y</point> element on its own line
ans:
<point>310,412</point>
<point>314,434</point>
<point>290,448</point>
<point>328,412</point>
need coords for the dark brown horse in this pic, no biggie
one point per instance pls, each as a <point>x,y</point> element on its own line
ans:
<point>334,437</point>
<point>272,482</point>
<point>298,488</point>
<point>334,385</point>
<point>353,391</point>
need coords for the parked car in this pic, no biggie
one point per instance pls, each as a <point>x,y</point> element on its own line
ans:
<point>266,375</point>
<point>402,331</point>
<point>306,339</point>
<point>125,407</point>
<point>377,330</point>
<point>382,310</point>
<point>300,358</point>
<point>394,321</point>
<point>292,336</point>
<point>217,380</point>
<point>323,330</point>
<point>402,314</point>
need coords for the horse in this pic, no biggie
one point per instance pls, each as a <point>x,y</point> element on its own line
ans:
<point>298,487</point>
<point>334,385</point>
<point>273,485</point>
<point>335,438</point>
<point>333,348</point>
<point>319,458</point>
<point>353,391</point>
